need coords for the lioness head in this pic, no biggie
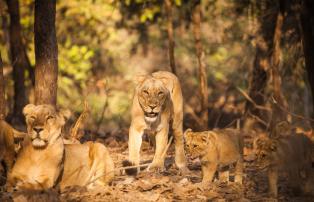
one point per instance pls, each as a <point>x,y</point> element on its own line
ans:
<point>44,123</point>
<point>196,143</point>
<point>265,151</point>
<point>152,95</point>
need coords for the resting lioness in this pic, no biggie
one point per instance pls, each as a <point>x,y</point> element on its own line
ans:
<point>290,153</point>
<point>157,105</point>
<point>44,160</point>
<point>220,147</point>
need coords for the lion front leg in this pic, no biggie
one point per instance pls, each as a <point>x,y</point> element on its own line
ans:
<point>180,159</point>
<point>272,182</point>
<point>208,171</point>
<point>135,142</point>
<point>239,171</point>
<point>161,144</point>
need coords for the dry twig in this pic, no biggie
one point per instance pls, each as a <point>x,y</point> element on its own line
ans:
<point>291,113</point>
<point>79,122</point>
<point>135,166</point>
<point>252,101</point>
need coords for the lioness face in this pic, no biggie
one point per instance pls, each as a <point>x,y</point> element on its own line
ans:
<point>264,149</point>
<point>44,124</point>
<point>152,96</point>
<point>196,143</point>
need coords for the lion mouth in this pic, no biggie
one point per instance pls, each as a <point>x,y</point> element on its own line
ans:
<point>151,114</point>
<point>39,143</point>
<point>193,157</point>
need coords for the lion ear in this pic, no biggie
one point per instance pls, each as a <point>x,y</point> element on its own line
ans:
<point>169,84</point>
<point>65,113</point>
<point>28,109</point>
<point>140,78</point>
<point>273,146</point>
<point>204,138</point>
<point>189,130</point>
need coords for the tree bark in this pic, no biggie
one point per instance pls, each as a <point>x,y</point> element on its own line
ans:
<point>171,44</point>
<point>46,52</point>
<point>280,102</point>
<point>2,92</point>
<point>18,61</point>
<point>261,66</point>
<point>307,32</point>
<point>202,73</point>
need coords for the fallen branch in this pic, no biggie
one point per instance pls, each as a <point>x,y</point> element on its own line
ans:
<point>135,166</point>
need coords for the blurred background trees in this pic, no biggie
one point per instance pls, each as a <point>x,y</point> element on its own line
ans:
<point>255,46</point>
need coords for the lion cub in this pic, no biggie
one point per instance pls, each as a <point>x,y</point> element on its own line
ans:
<point>289,153</point>
<point>220,147</point>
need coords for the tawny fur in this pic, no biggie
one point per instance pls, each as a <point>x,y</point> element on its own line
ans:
<point>216,148</point>
<point>44,160</point>
<point>7,149</point>
<point>290,154</point>
<point>157,107</point>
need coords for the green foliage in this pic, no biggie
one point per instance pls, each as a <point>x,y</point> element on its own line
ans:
<point>75,62</point>
<point>101,40</point>
<point>149,13</point>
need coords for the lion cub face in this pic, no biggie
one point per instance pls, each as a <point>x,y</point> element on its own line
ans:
<point>152,95</point>
<point>196,143</point>
<point>44,123</point>
<point>264,149</point>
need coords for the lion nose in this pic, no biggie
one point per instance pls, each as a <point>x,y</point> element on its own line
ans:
<point>38,129</point>
<point>152,106</point>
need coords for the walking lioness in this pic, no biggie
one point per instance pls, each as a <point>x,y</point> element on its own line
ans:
<point>44,160</point>
<point>157,105</point>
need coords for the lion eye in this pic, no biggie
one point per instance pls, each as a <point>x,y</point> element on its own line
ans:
<point>50,117</point>
<point>263,155</point>
<point>146,92</point>
<point>160,93</point>
<point>32,117</point>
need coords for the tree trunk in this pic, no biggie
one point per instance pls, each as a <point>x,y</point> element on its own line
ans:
<point>18,61</point>
<point>280,102</point>
<point>201,66</point>
<point>46,52</point>
<point>307,31</point>
<point>168,5</point>
<point>261,65</point>
<point>2,92</point>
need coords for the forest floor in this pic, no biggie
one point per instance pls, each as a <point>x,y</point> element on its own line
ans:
<point>168,185</point>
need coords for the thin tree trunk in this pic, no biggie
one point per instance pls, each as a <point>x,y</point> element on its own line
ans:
<point>2,92</point>
<point>278,114</point>
<point>171,44</point>
<point>307,31</point>
<point>261,65</point>
<point>18,61</point>
<point>46,52</point>
<point>201,66</point>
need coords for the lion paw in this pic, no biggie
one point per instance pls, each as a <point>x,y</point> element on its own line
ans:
<point>158,167</point>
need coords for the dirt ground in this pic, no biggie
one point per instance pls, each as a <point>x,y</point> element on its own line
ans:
<point>168,185</point>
